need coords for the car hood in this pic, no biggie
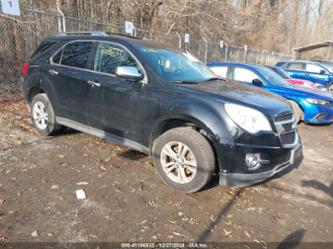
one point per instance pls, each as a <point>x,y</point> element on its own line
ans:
<point>251,96</point>
<point>295,90</point>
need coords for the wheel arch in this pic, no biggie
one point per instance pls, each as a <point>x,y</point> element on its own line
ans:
<point>33,91</point>
<point>298,103</point>
<point>187,121</point>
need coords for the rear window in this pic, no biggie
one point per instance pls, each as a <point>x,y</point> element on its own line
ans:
<point>75,54</point>
<point>43,47</point>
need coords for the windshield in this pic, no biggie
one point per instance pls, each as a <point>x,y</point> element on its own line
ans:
<point>327,65</point>
<point>280,72</point>
<point>174,66</point>
<point>272,77</point>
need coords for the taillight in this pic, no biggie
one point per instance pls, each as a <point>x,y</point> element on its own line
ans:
<point>25,68</point>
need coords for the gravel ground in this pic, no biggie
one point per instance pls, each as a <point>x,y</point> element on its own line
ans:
<point>127,201</point>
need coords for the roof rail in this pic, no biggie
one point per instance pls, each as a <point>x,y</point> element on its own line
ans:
<point>125,35</point>
<point>91,33</point>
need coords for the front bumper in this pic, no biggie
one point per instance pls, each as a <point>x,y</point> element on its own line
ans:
<point>315,114</point>
<point>246,179</point>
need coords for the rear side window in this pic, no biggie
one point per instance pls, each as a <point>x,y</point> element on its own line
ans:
<point>220,71</point>
<point>75,54</point>
<point>295,66</point>
<point>44,46</point>
<point>109,57</point>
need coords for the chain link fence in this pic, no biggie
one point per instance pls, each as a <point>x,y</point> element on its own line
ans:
<point>21,35</point>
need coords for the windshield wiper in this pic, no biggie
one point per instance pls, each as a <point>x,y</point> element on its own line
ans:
<point>215,78</point>
<point>184,82</point>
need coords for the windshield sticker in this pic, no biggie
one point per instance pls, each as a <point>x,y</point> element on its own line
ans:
<point>113,52</point>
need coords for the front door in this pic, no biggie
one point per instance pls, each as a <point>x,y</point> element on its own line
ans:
<point>317,74</point>
<point>122,100</point>
<point>296,70</point>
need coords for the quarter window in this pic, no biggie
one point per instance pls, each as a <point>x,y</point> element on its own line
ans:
<point>75,54</point>
<point>109,57</point>
<point>244,75</point>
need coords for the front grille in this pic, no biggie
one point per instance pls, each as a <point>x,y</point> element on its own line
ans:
<point>285,116</point>
<point>285,126</point>
<point>288,137</point>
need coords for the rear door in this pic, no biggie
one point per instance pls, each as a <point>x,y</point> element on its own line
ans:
<point>68,73</point>
<point>296,70</point>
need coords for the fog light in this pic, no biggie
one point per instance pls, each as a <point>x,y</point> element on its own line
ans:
<point>252,161</point>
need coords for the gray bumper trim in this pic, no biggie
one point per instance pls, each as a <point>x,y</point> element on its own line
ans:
<point>242,180</point>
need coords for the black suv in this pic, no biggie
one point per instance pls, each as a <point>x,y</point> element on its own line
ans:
<point>163,102</point>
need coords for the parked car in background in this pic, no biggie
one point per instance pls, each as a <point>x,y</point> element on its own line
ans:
<point>310,105</point>
<point>320,72</point>
<point>163,102</point>
<point>298,82</point>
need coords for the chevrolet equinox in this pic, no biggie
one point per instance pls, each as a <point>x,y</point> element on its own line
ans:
<point>163,102</point>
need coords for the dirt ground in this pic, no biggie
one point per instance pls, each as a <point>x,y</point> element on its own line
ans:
<point>127,201</point>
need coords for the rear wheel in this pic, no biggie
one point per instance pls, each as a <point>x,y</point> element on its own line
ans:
<point>297,110</point>
<point>330,88</point>
<point>184,159</point>
<point>42,114</point>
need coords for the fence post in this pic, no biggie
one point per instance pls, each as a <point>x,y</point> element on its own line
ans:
<point>221,46</point>
<point>179,40</point>
<point>226,52</point>
<point>206,49</point>
<point>245,52</point>
<point>63,18</point>
<point>329,53</point>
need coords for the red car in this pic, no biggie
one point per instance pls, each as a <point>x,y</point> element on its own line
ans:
<point>294,81</point>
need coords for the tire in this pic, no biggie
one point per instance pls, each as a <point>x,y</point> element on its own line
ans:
<point>330,88</point>
<point>196,151</point>
<point>42,115</point>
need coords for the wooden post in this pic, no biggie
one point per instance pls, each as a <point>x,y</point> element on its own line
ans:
<point>329,54</point>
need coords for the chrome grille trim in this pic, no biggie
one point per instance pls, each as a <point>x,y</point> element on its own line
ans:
<point>285,124</point>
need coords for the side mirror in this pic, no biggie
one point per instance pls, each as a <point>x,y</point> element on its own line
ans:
<point>257,82</point>
<point>322,72</point>
<point>129,72</point>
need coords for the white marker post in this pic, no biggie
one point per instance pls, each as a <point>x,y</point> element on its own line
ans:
<point>186,40</point>
<point>129,27</point>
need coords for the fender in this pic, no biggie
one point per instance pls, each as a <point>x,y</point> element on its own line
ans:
<point>203,115</point>
<point>38,80</point>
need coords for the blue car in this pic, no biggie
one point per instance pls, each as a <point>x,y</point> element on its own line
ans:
<point>310,105</point>
<point>316,71</point>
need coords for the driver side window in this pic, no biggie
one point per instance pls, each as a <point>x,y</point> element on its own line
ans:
<point>244,75</point>
<point>313,68</point>
<point>109,57</point>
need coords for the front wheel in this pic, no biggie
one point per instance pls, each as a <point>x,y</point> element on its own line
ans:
<point>184,159</point>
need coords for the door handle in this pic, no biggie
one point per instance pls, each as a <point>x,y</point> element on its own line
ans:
<point>53,72</point>
<point>93,83</point>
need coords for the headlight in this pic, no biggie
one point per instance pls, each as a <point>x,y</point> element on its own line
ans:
<point>247,118</point>
<point>317,102</point>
